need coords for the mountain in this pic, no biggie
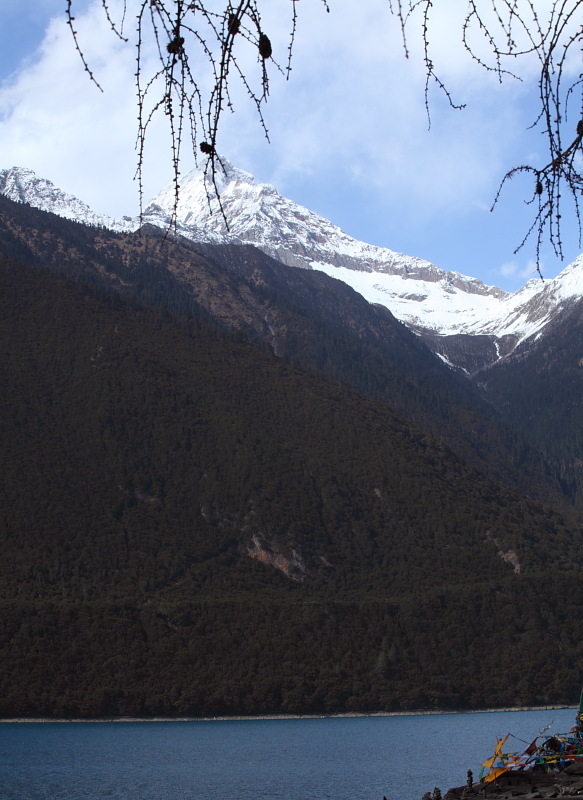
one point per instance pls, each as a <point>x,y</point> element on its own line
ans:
<point>540,390</point>
<point>191,525</point>
<point>24,186</point>
<point>303,316</point>
<point>469,324</point>
<point>209,504</point>
<point>515,326</point>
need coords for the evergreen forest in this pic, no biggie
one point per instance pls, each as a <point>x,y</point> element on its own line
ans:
<point>194,524</point>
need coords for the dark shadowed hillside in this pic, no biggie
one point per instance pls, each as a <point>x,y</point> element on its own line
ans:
<point>192,525</point>
<point>301,315</point>
<point>540,392</point>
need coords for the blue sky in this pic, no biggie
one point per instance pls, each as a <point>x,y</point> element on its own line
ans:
<point>349,135</point>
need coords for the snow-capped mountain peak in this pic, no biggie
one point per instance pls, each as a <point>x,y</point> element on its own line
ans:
<point>195,193</point>
<point>256,213</point>
<point>430,300</point>
<point>528,310</point>
<point>24,186</point>
<point>434,302</point>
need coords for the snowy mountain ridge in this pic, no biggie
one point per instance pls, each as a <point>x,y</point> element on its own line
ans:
<point>24,186</point>
<point>256,213</point>
<point>428,299</point>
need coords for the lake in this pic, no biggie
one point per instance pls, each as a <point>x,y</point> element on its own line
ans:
<point>363,758</point>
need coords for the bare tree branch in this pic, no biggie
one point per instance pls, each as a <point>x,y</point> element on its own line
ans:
<point>499,35</point>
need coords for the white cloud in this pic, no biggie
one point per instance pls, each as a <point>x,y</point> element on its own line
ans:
<point>354,103</point>
<point>54,120</point>
<point>350,123</point>
<point>512,269</point>
<point>509,270</point>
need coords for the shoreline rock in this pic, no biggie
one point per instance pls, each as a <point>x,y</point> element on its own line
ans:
<point>525,784</point>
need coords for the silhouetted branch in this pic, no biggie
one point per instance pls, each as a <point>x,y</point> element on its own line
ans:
<point>507,31</point>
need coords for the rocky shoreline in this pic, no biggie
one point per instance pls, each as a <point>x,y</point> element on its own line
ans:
<point>346,715</point>
<point>525,784</point>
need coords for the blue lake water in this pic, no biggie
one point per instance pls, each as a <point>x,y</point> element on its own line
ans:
<point>308,759</point>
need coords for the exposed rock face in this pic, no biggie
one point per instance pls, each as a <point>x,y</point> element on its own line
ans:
<point>292,566</point>
<point>256,213</point>
<point>506,554</point>
<point>469,324</point>
<point>510,557</point>
<point>527,784</point>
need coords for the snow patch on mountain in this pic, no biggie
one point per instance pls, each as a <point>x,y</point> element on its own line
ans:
<point>238,210</point>
<point>435,305</point>
<point>438,308</point>
<point>256,213</point>
<point>417,292</point>
<point>530,309</point>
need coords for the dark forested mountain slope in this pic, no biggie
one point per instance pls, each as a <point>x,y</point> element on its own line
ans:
<point>191,525</point>
<point>540,391</point>
<point>304,316</point>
